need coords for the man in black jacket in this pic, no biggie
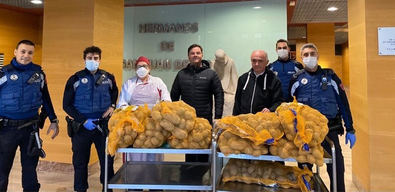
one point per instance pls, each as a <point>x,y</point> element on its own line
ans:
<point>258,90</point>
<point>196,85</point>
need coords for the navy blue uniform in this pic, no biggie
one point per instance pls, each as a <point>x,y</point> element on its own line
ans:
<point>323,90</point>
<point>88,96</point>
<point>23,90</point>
<point>285,71</point>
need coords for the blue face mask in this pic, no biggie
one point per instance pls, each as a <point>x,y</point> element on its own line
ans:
<point>91,65</point>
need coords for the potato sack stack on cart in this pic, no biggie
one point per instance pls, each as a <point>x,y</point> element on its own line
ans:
<point>293,131</point>
<point>172,122</point>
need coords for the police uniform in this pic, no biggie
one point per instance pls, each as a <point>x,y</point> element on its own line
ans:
<point>23,90</point>
<point>285,71</point>
<point>323,90</point>
<point>88,96</point>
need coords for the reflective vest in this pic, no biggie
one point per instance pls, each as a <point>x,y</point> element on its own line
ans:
<point>318,91</point>
<point>92,93</point>
<point>20,92</point>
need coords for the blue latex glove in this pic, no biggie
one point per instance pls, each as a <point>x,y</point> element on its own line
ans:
<point>89,125</point>
<point>351,137</point>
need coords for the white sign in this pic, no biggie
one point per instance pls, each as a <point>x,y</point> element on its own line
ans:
<point>386,40</point>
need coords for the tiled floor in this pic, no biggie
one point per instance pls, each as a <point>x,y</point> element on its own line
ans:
<point>62,181</point>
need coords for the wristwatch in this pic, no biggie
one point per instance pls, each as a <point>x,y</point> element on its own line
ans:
<point>55,121</point>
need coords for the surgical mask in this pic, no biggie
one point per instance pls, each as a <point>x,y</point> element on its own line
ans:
<point>310,62</point>
<point>142,72</point>
<point>91,65</point>
<point>282,53</point>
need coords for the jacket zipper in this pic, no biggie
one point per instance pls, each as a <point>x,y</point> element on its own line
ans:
<point>253,95</point>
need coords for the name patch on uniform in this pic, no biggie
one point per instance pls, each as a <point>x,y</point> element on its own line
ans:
<point>304,81</point>
<point>84,80</point>
<point>14,77</point>
<point>291,72</point>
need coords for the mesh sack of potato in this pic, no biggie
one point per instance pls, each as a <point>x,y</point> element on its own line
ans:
<point>303,125</point>
<point>124,126</point>
<point>153,136</point>
<point>260,128</point>
<point>267,173</point>
<point>287,149</point>
<point>176,117</point>
<point>230,143</point>
<point>198,138</point>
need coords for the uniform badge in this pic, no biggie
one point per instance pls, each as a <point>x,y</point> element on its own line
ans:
<point>14,77</point>
<point>84,80</point>
<point>304,81</point>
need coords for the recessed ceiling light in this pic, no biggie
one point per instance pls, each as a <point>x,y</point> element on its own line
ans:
<point>292,3</point>
<point>37,2</point>
<point>332,9</point>
<point>257,7</point>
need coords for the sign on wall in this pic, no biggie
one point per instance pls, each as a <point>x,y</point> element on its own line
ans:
<point>386,40</point>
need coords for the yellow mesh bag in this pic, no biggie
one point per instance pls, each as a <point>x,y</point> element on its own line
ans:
<point>124,126</point>
<point>230,143</point>
<point>259,128</point>
<point>198,138</point>
<point>303,125</point>
<point>267,173</point>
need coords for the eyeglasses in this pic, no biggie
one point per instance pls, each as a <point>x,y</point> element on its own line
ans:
<point>312,54</point>
<point>96,58</point>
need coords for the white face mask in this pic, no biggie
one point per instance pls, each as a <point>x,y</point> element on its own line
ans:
<point>310,62</point>
<point>91,65</point>
<point>282,53</point>
<point>142,72</point>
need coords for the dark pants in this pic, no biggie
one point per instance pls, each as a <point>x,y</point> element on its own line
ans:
<point>81,146</point>
<point>10,139</point>
<point>339,162</point>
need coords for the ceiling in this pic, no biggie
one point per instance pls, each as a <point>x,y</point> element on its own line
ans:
<point>303,12</point>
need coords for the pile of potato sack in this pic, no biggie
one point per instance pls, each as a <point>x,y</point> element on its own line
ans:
<point>172,122</point>
<point>293,131</point>
<point>267,173</point>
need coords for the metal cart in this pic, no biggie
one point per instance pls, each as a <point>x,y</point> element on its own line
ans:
<point>162,175</point>
<point>318,184</point>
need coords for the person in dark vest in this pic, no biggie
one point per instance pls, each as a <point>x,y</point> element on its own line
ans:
<point>284,67</point>
<point>23,91</point>
<point>89,99</point>
<point>323,90</point>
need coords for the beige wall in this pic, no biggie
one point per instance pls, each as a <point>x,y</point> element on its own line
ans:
<point>69,27</point>
<point>372,95</point>
<point>323,36</point>
<point>16,26</point>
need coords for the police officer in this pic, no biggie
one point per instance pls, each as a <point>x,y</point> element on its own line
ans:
<point>284,67</point>
<point>89,98</point>
<point>23,90</point>
<point>323,90</point>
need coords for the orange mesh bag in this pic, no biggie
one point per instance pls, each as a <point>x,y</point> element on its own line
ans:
<point>303,125</point>
<point>267,173</point>
<point>287,149</point>
<point>230,143</point>
<point>198,138</point>
<point>124,126</point>
<point>260,128</point>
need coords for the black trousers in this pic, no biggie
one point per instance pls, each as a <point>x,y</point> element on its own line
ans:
<point>81,146</point>
<point>10,139</point>
<point>339,162</point>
